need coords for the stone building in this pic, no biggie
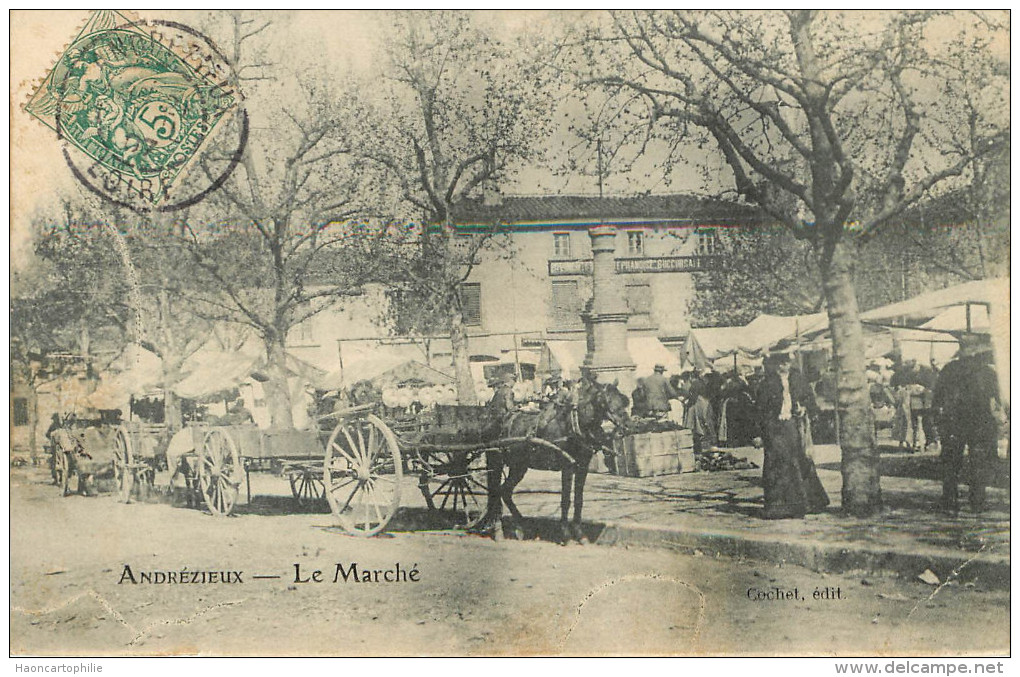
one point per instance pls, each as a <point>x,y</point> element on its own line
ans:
<point>535,277</point>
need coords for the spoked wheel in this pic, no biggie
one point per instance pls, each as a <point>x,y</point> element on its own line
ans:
<point>362,475</point>
<point>455,482</point>
<point>307,488</point>
<point>219,472</point>
<point>122,458</point>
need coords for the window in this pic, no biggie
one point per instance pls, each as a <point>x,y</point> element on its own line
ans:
<point>566,305</point>
<point>708,242</point>
<point>471,296</point>
<point>639,303</point>
<point>19,413</point>
<point>561,245</point>
<point>635,243</point>
<point>491,371</point>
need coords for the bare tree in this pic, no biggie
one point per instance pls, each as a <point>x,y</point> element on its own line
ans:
<point>456,113</point>
<point>833,122</point>
<point>281,240</point>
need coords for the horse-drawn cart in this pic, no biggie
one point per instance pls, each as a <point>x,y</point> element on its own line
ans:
<point>358,465</point>
<point>361,463</point>
<point>127,453</point>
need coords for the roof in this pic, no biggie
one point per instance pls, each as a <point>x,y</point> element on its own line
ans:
<point>591,209</point>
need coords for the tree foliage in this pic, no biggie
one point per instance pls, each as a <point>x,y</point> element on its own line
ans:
<point>833,137</point>
<point>287,235</point>
<point>456,112</point>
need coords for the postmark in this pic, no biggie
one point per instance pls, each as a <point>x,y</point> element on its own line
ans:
<point>137,105</point>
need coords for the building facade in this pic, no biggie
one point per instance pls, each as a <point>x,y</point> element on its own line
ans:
<point>534,277</point>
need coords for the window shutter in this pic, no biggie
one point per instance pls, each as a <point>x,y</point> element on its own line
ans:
<point>639,302</point>
<point>566,304</point>
<point>19,415</point>
<point>471,294</point>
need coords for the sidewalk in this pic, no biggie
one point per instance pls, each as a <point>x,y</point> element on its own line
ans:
<point>720,513</point>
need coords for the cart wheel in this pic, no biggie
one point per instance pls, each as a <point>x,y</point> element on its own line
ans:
<point>362,475</point>
<point>122,458</point>
<point>455,482</point>
<point>61,471</point>
<point>219,472</point>
<point>307,488</point>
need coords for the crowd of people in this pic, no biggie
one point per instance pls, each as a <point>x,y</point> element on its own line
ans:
<point>776,406</point>
<point>956,409</point>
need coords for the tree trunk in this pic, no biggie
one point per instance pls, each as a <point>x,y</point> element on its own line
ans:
<point>277,392</point>
<point>461,363</point>
<point>84,341</point>
<point>171,367</point>
<point>862,494</point>
<point>33,423</point>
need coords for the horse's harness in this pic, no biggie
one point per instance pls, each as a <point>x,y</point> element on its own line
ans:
<point>573,424</point>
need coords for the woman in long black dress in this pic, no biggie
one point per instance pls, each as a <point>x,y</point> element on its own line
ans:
<point>792,487</point>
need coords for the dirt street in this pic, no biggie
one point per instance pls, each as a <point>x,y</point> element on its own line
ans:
<point>72,594</point>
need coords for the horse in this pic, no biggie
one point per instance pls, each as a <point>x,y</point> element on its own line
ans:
<point>577,431</point>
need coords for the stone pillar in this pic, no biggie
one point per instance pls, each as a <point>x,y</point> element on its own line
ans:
<point>605,318</point>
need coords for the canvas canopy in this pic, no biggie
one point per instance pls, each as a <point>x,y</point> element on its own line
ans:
<point>955,319</point>
<point>645,351</point>
<point>912,344</point>
<point>565,356</point>
<point>765,331</point>
<point>134,372</point>
<point>366,361</point>
<point>211,369</point>
<point>412,370</point>
<point>713,342</point>
<point>979,306</point>
<point>993,294</point>
<point>924,346</point>
<point>749,342</point>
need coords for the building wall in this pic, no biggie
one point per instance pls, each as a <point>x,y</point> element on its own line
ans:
<point>517,288</point>
<point>316,340</point>
<point>60,396</point>
<point>516,296</point>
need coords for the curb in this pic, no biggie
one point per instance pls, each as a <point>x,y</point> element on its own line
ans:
<point>992,569</point>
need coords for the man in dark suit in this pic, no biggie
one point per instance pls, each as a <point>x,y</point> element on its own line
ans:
<point>658,393</point>
<point>966,405</point>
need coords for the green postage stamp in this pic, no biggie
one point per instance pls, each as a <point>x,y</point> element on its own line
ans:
<point>140,101</point>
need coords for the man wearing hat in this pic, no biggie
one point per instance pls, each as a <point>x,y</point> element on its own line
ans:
<point>965,403</point>
<point>658,393</point>
<point>502,403</point>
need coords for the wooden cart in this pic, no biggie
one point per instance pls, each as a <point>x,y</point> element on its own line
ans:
<point>357,465</point>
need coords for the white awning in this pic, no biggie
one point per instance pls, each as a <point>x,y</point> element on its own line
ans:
<point>645,352</point>
<point>765,331</point>
<point>211,370</point>
<point>992,293</point>
<point>134,372</point>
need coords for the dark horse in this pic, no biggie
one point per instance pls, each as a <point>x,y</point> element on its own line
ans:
<point>575,430</point>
